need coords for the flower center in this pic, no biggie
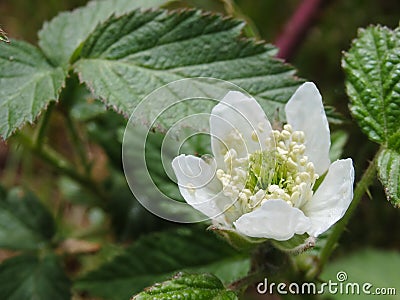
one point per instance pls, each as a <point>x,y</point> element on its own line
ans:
<point>282,171</point>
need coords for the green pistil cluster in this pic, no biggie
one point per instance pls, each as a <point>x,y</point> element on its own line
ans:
<point>282,171</point>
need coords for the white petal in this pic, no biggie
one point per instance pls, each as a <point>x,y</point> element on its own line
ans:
<point>275,219</point>
<point>305,112</point>
<point>238,122</point>
<point>199,186</point>
<point>333,197</point>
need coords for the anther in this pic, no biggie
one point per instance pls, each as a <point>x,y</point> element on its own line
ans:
<point>282,145</point>
<point>291,164</point>
<point>288,127</point>
<point>191,188</point>
<point>285,134</point>
<point>254,136</point>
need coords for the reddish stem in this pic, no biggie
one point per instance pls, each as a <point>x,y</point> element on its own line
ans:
<point>297,27</point>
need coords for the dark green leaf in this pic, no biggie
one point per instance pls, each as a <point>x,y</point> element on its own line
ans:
<point>24,222</point>
<point>60,37</point>
<point>379,268</point>
<point>389,174</point>
<point>372,66</point>
<point>79,101</point>
<point>153,161</point>
<point>129,219</point>
<point>107,131</point>
<point>128,57</point>
<point>158,256</point>
<point>27,84</point>
<point>188,286</point>
<point>394,142</point>
<point>32,278</point>
<point>87,110</point>
<point>338,141</point>
<point>75,193</point>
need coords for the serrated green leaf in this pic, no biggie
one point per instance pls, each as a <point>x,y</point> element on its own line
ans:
<point>372,66</point>
<point>60,37</point>
<point>379,268</point>
<point>32,278</point>
<point>389,174</point>
<point>188,286</point>
<point>27,84</point>
<point>156,257</point>
<point>394,142</point>
<point>128,57</point>
<point>24,222</point>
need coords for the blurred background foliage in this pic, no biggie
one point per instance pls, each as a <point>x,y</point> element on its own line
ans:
<point>317,59</point>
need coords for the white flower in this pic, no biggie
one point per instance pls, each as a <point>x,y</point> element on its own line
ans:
<point>261,181</point>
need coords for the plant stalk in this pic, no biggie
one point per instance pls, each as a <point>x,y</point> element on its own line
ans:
<point>41,133</point>
<point>62,166</point>
<point>362,186</point>
<point>297,27</point>
<point>250,279</point>
<point>76,141</point>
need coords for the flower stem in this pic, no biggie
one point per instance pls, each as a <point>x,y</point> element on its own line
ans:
<point>232,9</point>
<point>77,143</point>
<point>250,279</point>
<point>55,160</point>
<point>41,133</point>
<point>297,27</point>
<point>362,186</point>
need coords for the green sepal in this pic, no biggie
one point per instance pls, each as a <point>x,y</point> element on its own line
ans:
<point>235,239</point>
<point>296,245</point>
